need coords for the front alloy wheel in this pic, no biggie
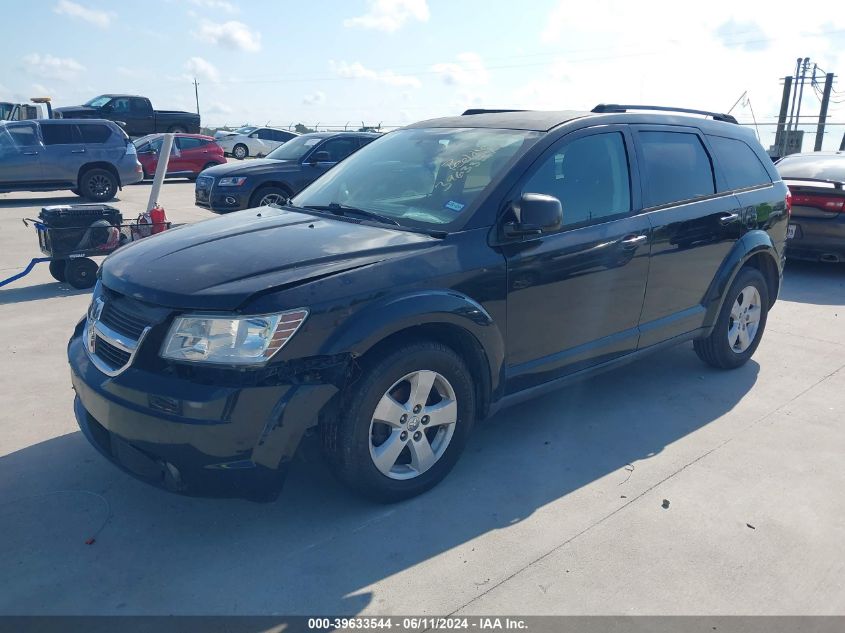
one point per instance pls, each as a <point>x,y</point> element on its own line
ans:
<point>401,426</point>
<point>745,319</point>
<point>413,425</point>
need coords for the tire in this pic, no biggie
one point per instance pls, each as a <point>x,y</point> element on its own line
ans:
<point>57,269</point>
<point>733,340</point>
<point>240,151</point>
<point>268,195</point>
<point>177,129</point>
<point>81,272</point>
<point>98,185</point>
<point>424,451</point>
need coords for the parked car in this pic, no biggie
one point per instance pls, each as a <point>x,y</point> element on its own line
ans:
<point>286,171</point>
<point>817,227</point>
<point>135,113</point>
<point>252,141</point>
<point>444,271</point>
<point>93,158</point>
<point>191,153</point>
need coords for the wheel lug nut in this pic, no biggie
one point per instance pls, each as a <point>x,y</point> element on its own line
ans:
<point>417,436</point>
<point>404,418</point>
<point>403,435</point>
<point>425,419</point>
<point>417,408</point>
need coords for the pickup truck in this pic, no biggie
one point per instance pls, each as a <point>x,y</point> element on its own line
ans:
<point>135,113</point>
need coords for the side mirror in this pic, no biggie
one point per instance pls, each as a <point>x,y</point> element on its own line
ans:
<point>320,157</point>
<point>536,214</point>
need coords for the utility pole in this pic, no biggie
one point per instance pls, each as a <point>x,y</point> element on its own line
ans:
<point>197,95</point>
<point>828,86</point>
<point>785,139</point>
<point>801,92</point>
<point>784,106</point>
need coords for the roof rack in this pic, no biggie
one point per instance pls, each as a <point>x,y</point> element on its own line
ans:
<point>484,111</point>
<point>613,107</point>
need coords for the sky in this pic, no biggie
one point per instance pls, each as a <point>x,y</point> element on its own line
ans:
<point>392,62</point>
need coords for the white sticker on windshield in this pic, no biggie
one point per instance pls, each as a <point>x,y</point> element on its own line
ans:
<point>312,141</point>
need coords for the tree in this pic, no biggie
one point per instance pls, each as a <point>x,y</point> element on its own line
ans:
<point>301,129</point>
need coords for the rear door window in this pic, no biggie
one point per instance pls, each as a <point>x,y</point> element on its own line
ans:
<point>60,134</point>
<point>338,148</point>
<point>94,132</point>
<point>677,167</point>
<point>139,106</point>
<point>738,162</point>
<point>187,142</point>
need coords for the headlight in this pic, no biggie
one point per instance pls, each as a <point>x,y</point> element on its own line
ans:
<point>231,181</point>
<point>248,340</point>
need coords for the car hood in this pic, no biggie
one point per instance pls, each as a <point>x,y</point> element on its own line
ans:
<point>219,264</point>
<point>251,167</point>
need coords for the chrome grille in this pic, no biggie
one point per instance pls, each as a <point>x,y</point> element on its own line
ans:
<point>114,356</point>
<point>122,320</point>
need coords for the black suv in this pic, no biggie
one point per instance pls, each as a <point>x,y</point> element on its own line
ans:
<point>287,170</point>
<point>444,271</point>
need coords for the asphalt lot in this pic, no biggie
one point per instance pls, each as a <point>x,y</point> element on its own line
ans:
<point>555,508</point>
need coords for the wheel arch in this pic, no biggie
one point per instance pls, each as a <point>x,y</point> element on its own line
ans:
<point>98,165</point>
<point>449,318</point>
<point>755,249</point>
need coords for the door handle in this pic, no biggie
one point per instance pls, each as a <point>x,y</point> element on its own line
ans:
<point>634,241</point>
<point>30,153</point>
<point>728,219</point>
<point>77,151</point>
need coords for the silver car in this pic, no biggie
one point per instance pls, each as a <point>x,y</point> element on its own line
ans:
<point>92,158</point>
<point>252,141</point>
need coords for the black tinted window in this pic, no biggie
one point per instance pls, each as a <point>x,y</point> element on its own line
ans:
<point>265,134</point>
<point>676,167</point>
<point>589,176</point>
<point>187,142</point>
<point>23,134</point>
<point>139,105</point>
<point>120,104</point>
<point>738,162</point>
<point>339,148</point>
<point>94,132</point>
<point>279,135</point>
<point>55,134</point>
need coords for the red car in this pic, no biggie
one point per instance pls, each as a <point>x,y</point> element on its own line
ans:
<point>191,154</point>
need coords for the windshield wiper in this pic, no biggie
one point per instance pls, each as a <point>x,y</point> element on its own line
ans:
<point>344,210</point>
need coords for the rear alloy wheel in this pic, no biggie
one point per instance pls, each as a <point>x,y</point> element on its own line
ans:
<point>57,269</point>
<point>740,325</point>
<point>98,185</point>
<point>267,196</point>
<point>240,151</point>
<point>81,272</point>
<point>403,425</point>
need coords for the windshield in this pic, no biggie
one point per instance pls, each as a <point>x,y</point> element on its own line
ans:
<point>249,129</point>
<point>295,148</point>
<point>420,177</point>
<point>5,110</point>
<point>97,102</point>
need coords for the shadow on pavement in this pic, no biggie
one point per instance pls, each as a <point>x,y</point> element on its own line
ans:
<point>319,549</point>
<point>40,291</point>
<point>813,282</point>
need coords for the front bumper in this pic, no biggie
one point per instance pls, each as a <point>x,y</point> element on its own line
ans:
<point>191,438</point>
<point>222,199</point>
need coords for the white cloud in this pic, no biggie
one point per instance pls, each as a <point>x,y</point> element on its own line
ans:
<point>51,67</point>
<point>357,71</point>
<point>215,5</point>
<point>468,70</point>
<point>232,34</point>
<point>390,15</point>
<point>202,69</point>
<point>218,108</point>
<point>97,18</point>
<point>317,98</point>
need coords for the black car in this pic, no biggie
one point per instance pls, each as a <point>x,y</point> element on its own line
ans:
<point>135,113</point>
<point>446,270</point>
<point>817,227</point>
<point>286,171</point>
